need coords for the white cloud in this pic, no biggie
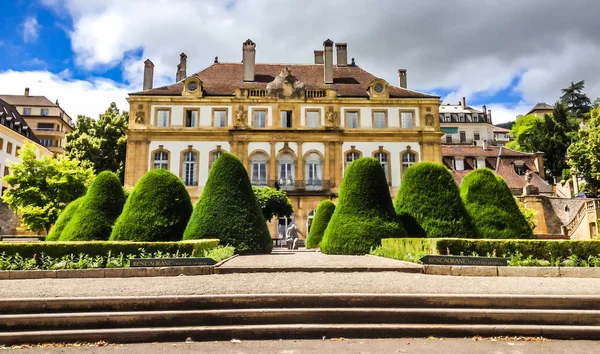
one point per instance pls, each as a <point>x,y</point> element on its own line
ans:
<point>31,30</point>
<point>76,97</point>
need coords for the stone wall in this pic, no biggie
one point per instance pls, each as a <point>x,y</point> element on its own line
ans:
<point>8,220</point>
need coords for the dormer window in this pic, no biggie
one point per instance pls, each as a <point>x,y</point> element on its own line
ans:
<point>459,163</point>
<point>520,168</point>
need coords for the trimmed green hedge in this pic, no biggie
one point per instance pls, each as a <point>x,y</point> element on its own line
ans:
<point>101,248</point>
<point>429,195</point>
<point>493,207</point>
<point>96,215</point>
<point>158,209</point>
<point>538,249</point>
<point>228,210</point>
<point>322,217</point>
<point>63,219</point>
<point>364,213</point>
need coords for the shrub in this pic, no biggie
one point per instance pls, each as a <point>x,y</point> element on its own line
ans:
<point>323,214</point>
<point>364,213</point>
<point>429,203</point>
<point>493,207</point>
<point>98,211</point>
<point>102,248</point>
<point>158,209</point>
<point>229,211</point>
<point>63,219</point>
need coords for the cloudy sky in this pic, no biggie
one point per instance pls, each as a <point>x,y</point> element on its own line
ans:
<point>507,54</point>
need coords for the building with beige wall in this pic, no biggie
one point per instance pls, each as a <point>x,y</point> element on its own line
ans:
<point>541,109</point>
<point>294,126</point>
<point>49,122</point>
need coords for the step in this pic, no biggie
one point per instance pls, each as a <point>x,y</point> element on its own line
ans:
<point>147,319</point>
<point>200,302</point>
<point>297,331</point>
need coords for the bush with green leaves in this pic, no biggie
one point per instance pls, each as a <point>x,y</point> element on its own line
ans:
<point>364,213</point>
<point>63,220</point>
<point>492,206</point>
<point>429,203</point>
<point>98,211</point>
<point>158,209</point>
<point>322,217</point>
<point>228,210</point>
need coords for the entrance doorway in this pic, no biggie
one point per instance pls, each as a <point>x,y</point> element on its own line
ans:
<point>309,220</point>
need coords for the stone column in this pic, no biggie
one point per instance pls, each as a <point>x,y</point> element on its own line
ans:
<point>300,163</point>
<point>272,174</point>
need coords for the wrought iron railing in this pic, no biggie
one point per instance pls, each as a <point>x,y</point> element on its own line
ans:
<point>296,186</point>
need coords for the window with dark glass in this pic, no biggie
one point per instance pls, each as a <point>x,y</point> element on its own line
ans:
<point>286,119</point>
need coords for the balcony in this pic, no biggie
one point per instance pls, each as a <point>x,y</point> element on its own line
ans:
<point>297,187</point>
<point>41,132</point>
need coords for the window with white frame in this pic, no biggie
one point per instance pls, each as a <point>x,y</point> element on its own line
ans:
<point>285,118</point>
<point>259,169</point>
<point>351,119</point>
<point>383,160</point>
<point>46,142</point>
<point>162,118</point>
<point>312,119</point>
<point>191,118</point>
<point>26,111</point>
<point>406,119</point>
<point>459,163</point>
<point>161,160</point>
<point>480,162</point>
<point>44,111</point>
<point>214,156</point>
<point>190,163</point>
<point>408,159</point>
<point>260,118</point>
<point>351,156</point>
<point>379,119</point>
<point>220,118</point>
<point>285,174</point>
<point>313,171</point>
<point>476,136</point>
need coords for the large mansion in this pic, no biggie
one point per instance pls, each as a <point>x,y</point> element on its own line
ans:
<point>294,126</point>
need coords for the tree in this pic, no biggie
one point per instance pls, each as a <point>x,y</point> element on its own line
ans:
<point>98,211</point>
<point>101,143</point>
<point>323,215</point>
<point>492,206</point>
<point>273,202</point>
<point>577,102</point>
<point>527,130</point>
<point>158,209</point>
<point>63,220</point>
<point>585,152</point>
<point>364,213</point>
<point>41,188</point>
<point>557,136</point>
<point>228,210</point>
<point>429,195</point>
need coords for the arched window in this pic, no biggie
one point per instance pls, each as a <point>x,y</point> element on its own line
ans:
<point>214,156</point>
<point>351,156</point>
<point>309,220</point>
<point>313,171</point>
<point>408,159</point>
<point>259,169</point>
<point>285,174</point>
<point>384,161</point>
<point>161,160</point>
<point>190,163</point>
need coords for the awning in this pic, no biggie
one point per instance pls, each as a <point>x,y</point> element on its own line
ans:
<point>448,130</point>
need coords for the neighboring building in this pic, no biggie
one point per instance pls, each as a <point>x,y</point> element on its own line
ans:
<point>509,164</point>
<point>541,109</point>
<point>14,133</point>
<point>48,120</point>
<point>295,126</point>
<point>462,124</point>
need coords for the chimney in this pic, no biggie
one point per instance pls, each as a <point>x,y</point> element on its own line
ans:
<point>463,102</point>
<point>341,54</point>
<point>402,77</point>
<point>248,59</point>
<point>319,57</point>
<point>148,74</point>
<point>484,145</point>
<point>328,58</point>
<point>181,67</point>
<point>26,91</point>
<point>489,116</point>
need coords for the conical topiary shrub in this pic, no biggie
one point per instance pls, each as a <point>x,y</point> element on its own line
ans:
<point>63,219</point>
<point>429,203</point>
<point>157,209</point>
<point>364,213</point>
<point>98,211</point>
<point>323,214</point>
<point>228,210</point>
<point>493,207</point>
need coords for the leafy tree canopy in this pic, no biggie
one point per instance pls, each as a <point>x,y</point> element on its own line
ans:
<point>273,202</point>
<point>41,188</point>
<point>527,131</point>
<point>101,143</point>
<point>577,102</point>
<point>585,152</point>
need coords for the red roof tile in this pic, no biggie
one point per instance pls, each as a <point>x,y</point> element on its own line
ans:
<point>221,79</point>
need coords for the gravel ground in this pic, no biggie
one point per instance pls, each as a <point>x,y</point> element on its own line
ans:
<point>306,283</point>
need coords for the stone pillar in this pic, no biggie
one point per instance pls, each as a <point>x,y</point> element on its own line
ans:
<point>272,174</point>
<point>300,163</point>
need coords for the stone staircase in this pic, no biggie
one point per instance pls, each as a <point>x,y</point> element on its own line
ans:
<point>294,316</point>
